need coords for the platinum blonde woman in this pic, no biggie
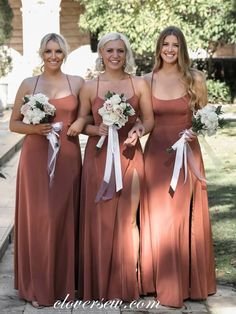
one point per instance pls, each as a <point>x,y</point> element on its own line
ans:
<point>109,236</point>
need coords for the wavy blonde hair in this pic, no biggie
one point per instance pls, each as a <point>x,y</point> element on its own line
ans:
<point>129,59</point>
<point>193,79</point>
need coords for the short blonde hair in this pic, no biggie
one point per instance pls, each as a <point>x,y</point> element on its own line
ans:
<point>59,39</point>
<point>129,59</point>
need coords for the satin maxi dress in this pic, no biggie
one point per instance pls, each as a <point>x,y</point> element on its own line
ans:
<point>46,218</point>
<point>181,238</point>
<point>107,262</point>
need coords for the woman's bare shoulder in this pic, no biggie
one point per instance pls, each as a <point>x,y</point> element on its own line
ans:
<point>148,77</point>
<point>76,79</point>
<point>140,80</point>
<point>89,87</point>
<point>91,83</point>
<point>28,84</point>
<point>198,76</point>
<point>141,85</point>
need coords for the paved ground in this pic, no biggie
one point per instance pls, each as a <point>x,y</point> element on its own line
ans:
<point>224,302</point>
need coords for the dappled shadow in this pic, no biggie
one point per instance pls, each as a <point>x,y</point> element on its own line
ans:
<point>221,244</point>
<point>228,129</point>
<point>222,196</point>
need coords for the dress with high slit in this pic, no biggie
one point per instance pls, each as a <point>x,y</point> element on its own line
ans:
<point>181,239</point>
<point>46,217</point>
<point>107,262</point>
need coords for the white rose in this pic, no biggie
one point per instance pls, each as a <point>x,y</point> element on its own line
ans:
<point>123,105</point>
<point>49,109</point>
<point>203,118</point>
<point>29,115</point>
<point>207,109</point>
<point>110,118</point>
<point>108,105</point>
<point>122,121</point>
<point>212,116</point>
<point>41,98</point>
<point>117,109</point>
<point>211,124</point>
<point>26,120</point>
<point>25,108</point>
<point>211,132</point>
<point>102,111</point>
<point>115,100</point>
<point>38,115</point>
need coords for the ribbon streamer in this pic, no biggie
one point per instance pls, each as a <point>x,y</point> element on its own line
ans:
<point>53,149</point>
<point>216,161</point>
<point>112,166</point>
<point>101,141</point>
<point>184,155</point>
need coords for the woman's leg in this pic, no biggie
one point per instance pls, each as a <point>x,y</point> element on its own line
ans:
<point>135,198</point>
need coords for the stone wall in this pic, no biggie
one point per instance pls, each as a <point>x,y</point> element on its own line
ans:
<point>69,17</point>
<point>16,39</point>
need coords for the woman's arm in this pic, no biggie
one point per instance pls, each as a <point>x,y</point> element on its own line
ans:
<point>83,124</point>
<point>16,124</point>
<point>145,122</point>
<point>145,103</point>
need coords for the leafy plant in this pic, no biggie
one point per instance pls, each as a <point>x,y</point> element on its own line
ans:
<point>206,24</point>
<point>218,92</point>
<point>6,16</point>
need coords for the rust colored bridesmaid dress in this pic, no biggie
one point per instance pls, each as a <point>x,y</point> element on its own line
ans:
<point>107,263</point>
<point>46,217</point>
<point>181,238</point>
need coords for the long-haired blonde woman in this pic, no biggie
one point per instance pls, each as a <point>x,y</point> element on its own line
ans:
<point>46,214</point>
<point>181,237</point>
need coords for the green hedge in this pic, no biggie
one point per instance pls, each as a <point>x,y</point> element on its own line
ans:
<point>218,92</point>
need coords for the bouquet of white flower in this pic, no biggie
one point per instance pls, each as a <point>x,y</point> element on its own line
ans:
<point>114,112</point>
<point>36,109</point>
<point>207,120</point>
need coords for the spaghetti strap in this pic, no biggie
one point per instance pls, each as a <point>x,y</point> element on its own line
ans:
<point>36,83</point>
<point>152,81</point>
<point>132,84</point>
<point>69,83</point>
<point>97,86</point>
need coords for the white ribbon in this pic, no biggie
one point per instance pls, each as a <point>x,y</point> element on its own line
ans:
<point>216,161</point>
<point>53,149</point>
<point>184,155</point>
<point>112,158</point>
<point>101,141</point>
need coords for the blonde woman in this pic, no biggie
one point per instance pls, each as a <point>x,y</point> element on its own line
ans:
<point>109,236</point>
<point>46,216</point>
